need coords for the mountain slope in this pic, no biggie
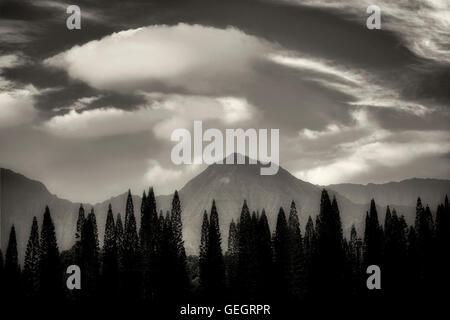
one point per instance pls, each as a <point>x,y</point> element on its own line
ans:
<point>21,199</point>
<point>431,191</point>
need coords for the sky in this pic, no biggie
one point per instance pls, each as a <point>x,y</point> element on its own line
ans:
<point>90,112</point>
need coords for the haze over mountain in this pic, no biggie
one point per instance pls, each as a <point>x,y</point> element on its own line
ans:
<point>22,198</point>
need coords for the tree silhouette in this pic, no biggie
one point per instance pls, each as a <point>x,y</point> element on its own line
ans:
<point>296,262</point>
<point>49,262</point>
<point>12,269</point>
<point>373,237</point>
<point>264,277</point>
<point>281,251</point>
<point>110,268</point>
<point>130,255</point>
<point>90,257</point>
<point>203,255</point>
<point>328,281</point>
<point>180,274</point>
<point>246,280</point>
<point>31,265</point>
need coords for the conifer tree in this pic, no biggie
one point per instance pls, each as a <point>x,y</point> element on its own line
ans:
<point>119,240</point>
<point>281,251</point>
<point>245,266</point>
<point>394,253</point>
<point>12,269</point>
<point>31,265</point>
<point>424,230</point>
<point>329,251</point>
<point>130,256</point>
<point>309,245</point>
<point>180,274</point>
<point>90,254</point>
<point>216,286</point>
<point>443,243</point>
<point>372,237</point>
<point>110,268</point>
<point>232,256</point>
<point>264,278</point>
<point>49,262</point>
<point>80,222</point>
<point>296,255</point>
<point>178,226</point>
<point>203,253</point>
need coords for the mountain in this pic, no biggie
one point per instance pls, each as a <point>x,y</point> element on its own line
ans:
<point>431,191</point>
<point>22,198</point>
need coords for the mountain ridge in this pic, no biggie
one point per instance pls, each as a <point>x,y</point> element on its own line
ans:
<point>22,198</point>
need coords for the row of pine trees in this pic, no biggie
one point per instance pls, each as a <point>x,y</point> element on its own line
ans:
<point>149,265</point>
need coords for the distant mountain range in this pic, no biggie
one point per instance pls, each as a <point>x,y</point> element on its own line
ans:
<point>22,198</point>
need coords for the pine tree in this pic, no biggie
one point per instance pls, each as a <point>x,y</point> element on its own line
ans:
<point>180,274</point>
<point>203,254</point>
<point>231,257</point>
<point>49,262</point>
<point>329,251</point>
<point>281,251</point>
<point>110,268</point>
<point>309,246</point>
<point>264,278</point>
<point>356,262</point>
<point>90,254</point>
<point>12,269</point>
<point>130,259</point>
<point>216,264</point>
<point>424,230</point>
<point>443,243</point>
<point>80,223</point>
<point>296,255</point>
<point>178,226</point>
<point>246,280</point>
<point>372,238</point>
<point>394,253</point>
<point>31,266</point>
<point>119,241</point>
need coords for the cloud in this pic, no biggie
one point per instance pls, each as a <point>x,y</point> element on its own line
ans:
<point>344,153</point>
<point>424,25</point>
<point>161,114</point>
<point>79,104</point>
<point>166,180</point>
<point>364,88</point>
<point>16,102</point>
<point>192,57</point>
<point>16,105</point>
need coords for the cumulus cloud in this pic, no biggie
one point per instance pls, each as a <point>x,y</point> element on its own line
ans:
<point>193,57</point>
<point>162,114</point>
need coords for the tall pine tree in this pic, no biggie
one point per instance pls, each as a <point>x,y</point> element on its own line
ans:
<point>110,267</point>
<point>49,262</point>
<point>31,265</point>
<point>12,270</point>
<point>130,256</point>
<point>297,280</point>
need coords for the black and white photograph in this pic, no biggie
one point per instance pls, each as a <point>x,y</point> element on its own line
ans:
<point>225,159</point>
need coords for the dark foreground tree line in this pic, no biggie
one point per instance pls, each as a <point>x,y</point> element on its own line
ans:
<point>149,266</point>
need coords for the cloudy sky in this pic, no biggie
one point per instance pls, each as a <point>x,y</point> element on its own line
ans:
<point>89,112</point>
